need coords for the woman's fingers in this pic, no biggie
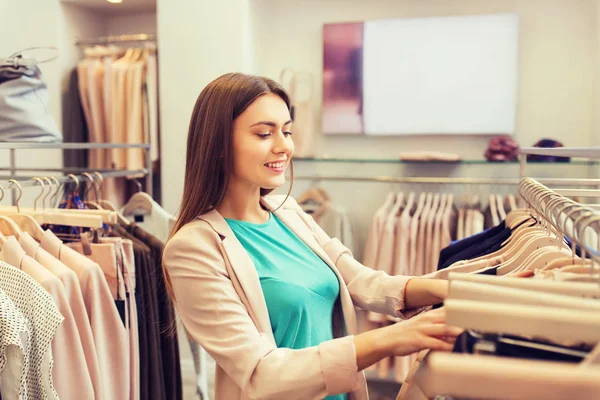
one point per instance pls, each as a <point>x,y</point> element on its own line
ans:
<point>435,316</point>
<point>437,344</point>
<point>441,330</point>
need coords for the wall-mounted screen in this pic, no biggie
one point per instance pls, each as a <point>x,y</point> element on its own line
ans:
<point>437,75</point>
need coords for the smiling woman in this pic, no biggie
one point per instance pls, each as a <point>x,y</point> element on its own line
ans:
<point>258,283</point>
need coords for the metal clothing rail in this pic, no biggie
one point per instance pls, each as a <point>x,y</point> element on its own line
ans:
<point>13,147</point>
<point>141,37</point>
<point>438,180</point>
<point>26,181</point>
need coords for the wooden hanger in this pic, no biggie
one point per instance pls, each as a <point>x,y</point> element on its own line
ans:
<point>477,291</point>
<point>315,196</point>
<point>542,322</point>
<point>587,290</point>
<point>500,378</point>
<point>52,216</point>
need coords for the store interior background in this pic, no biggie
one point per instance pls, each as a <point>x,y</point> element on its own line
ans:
<point>558,89</point>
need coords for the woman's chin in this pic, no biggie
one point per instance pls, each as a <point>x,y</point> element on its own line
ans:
<point>273,184</point>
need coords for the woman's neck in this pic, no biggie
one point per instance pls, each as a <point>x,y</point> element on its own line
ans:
<point>243,205</point>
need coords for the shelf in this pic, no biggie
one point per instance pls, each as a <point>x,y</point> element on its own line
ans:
<point>460,162</point>
<point>582,152</point>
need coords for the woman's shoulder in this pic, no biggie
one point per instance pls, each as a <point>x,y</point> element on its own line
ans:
<point>196,233</point>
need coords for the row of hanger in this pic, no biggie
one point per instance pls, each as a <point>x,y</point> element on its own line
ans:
<point>557,311</point>
<point>124,54</point>
<point>15,219</point>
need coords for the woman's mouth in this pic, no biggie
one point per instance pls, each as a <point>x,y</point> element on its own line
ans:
<point>277,167</point>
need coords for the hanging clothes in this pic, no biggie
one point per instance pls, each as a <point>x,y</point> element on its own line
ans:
<point>42,320</point>
<point>110,337</point>
<point>66,345</point>
<point>75,300</point>
<point>119,95</point>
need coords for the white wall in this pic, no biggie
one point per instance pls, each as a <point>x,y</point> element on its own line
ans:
<point>198,42</point>
<point>557,64</point>
<point>556,96</point>
<point>132,23</point>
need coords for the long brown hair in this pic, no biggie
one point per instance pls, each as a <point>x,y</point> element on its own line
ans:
<point>209,155</point>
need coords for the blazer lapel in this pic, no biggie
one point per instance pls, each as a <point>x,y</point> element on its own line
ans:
<point>245,272</point>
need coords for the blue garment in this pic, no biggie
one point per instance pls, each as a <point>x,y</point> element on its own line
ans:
<point>300,289</point>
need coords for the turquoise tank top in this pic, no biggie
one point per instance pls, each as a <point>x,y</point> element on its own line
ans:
<point>300,289</point>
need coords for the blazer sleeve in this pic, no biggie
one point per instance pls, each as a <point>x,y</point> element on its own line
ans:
<point>371,290</point>
<point>215,317</point>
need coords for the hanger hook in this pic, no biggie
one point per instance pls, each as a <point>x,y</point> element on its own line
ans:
<point>55,194</point>
<point>87,189</point>
<point>94,185</point>
<point>139,185</point>
<point>100,182</point>
<point>76,181</point>
<point>41,193</point>
<point>49,182</point>
<point>14,182</point>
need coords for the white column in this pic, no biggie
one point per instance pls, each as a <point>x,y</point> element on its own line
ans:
<point>198,40</point>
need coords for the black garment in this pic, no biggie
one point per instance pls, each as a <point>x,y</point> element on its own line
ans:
<point>483,247</point>
<point>489,271</point>
<point>465,243</point>
<point>74,127</point>
<point>486,245</point>
<point>152,382</point>
<point>517,347</point>
<point>168,339</point>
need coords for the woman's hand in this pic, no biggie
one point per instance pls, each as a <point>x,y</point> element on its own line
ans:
<point>425,331</point>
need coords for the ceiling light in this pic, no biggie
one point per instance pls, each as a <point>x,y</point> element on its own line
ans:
<point>115,1</point>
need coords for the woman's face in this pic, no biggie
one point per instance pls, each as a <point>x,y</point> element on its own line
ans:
<point>262,143</point>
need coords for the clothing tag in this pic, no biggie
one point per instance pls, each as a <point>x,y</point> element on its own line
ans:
<point>85,244</point>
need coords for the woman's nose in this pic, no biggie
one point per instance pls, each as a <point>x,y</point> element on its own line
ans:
<point>283,144</point>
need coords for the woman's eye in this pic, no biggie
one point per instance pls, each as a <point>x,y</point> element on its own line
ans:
<point>287,133</point>
<point>264,135</point>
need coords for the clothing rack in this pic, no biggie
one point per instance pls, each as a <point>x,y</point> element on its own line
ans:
<point>556,209</point>
<point>106,173</point>
<point>140,37</point>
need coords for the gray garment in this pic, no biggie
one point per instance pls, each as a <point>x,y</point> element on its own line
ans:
<point>24,112</point>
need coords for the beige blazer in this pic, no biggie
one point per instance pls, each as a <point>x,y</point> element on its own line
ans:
<point>221,304</point>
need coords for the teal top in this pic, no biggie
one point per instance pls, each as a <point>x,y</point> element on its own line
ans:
<point>300,289</point>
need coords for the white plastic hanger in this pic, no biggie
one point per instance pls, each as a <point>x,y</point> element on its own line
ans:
<point>141,203</point>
